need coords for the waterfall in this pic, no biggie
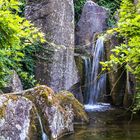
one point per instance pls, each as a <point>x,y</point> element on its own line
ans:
<point>44,136</point>
<point>87,65</point>
<point>95,82</point>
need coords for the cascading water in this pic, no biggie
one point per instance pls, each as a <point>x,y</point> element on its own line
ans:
<point>95,82</point>
<point>87,62</point>
<point>44,136</point>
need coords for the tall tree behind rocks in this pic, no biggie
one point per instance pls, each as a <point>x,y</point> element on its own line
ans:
<point>56,20</point>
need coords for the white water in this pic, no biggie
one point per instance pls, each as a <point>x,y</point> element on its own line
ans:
<point>98,107</point>
<point>95,82</point>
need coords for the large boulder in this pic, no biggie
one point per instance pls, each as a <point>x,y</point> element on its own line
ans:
<point>93,20</point>
<point>32,113</point>
<point>17,120</point>
<point>56,20</point>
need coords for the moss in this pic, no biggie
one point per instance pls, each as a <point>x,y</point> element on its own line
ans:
<point>2,111</point>
<point>67,98</point>
<point>35,132</point>
<point>80,65</point>
<point>42,97</point>
<point>4,106</point>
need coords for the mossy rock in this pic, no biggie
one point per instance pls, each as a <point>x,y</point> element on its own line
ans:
<point>57,112</point>
<point>67,98</point>
<point>17,119</point>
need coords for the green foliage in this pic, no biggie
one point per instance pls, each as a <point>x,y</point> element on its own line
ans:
<point>18,39</point>
<point>112,5</point>
<point>78,4</point>
<point>128,53</point>
<point>22,7</point>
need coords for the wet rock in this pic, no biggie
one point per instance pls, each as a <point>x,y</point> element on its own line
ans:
<point>18,114</point>
<point>56,20</point>
<point>92,21</point>
<point>14,83</point>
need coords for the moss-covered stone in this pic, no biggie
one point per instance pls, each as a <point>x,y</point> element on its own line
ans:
<point>15,118</point>
<point>67,98</point>
<point>57,112</point>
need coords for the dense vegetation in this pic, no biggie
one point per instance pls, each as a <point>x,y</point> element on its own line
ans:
<point>128,53</point>
<point>18,42</point>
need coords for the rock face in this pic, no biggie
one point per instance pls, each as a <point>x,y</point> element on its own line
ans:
<point>92,21</point>
<point>15,118</point>
<point>121,83</point>
<point>56,20</point>
<point>34,112</point>
<point>14,83</point>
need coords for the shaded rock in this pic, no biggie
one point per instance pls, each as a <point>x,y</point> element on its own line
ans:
<point>76,90</point>
<point>92,21</point>
<point>56,111</point>
<point>121,83</point>
<point>117,77</point>
<point>130,90</point>
<point>14,83</point>
<point>83,84</point>
<point>56,20</point>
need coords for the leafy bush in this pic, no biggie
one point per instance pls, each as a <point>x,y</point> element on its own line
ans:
<point>128,53</point>
<point>18,38</point>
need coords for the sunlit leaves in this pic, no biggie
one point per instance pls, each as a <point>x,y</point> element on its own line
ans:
<point>16,34</point>
<point>128,53</point>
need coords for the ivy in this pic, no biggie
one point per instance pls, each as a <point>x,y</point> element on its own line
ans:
<point>18,37</point>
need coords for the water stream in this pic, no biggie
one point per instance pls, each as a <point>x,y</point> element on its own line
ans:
<point>95,82</point>
<point>44,136</point>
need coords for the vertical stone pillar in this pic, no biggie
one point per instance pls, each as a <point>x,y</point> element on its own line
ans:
<point>56,20</point>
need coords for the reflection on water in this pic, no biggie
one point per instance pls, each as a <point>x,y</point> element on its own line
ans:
<point>108,125</point>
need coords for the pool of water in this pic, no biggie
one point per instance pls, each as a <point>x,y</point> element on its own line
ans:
<point>111,124</point>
